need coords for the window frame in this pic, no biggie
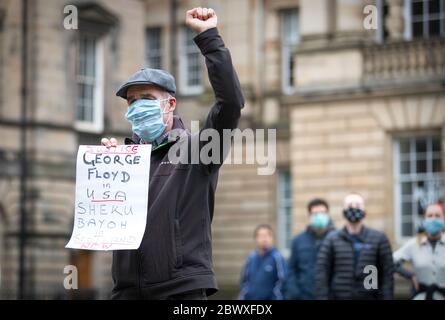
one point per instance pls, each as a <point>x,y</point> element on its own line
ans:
<point>153,53</point>
<point>398,178</point>
<point>97,124</point>
<point>184,88</point>
<point>284,204</point>
<point>408,19</point>
<point>287,49</point>
<point>381,29</point>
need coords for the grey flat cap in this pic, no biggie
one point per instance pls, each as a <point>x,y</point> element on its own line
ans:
<point>157,77</point>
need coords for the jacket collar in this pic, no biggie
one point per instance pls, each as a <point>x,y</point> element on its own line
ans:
<point>312,232</point>
<point>361,235</point>
<point>424,239</point>
<point>266,253</point>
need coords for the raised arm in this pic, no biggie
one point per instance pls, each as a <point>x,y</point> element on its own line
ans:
<point>226,111</point>
<point>229,100</point>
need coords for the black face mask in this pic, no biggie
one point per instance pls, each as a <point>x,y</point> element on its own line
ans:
<point>353,214</point>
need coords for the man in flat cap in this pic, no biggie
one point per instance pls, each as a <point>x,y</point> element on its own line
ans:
<point>174,260</point>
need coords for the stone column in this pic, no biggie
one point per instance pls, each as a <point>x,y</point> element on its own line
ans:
<point>395,21</point>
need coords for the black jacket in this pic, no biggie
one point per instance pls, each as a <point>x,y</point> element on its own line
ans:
<point>336,277</point>
<point>175,254</point>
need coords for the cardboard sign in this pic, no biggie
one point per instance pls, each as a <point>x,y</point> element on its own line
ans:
<point>111,197</point>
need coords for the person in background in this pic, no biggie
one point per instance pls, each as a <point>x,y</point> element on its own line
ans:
<point>426,253</point>
<point>264,273</point>
<point>346,256</point>
<point>300,283</point>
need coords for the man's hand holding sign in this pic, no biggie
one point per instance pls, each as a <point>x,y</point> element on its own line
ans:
<point>111,197</point>
<point>173,258</point>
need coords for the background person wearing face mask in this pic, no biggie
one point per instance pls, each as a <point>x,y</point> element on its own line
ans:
<point>426,253</point>
<point>300,283</point>
<point>265,271</point>
<point>345,253</point>
<point>174,260</point>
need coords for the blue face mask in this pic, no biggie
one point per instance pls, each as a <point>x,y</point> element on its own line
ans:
<point>146,118</point>
<point>433,225</point>
<point>319,220</point>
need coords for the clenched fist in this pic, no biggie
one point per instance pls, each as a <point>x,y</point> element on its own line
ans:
<point>200,19</point>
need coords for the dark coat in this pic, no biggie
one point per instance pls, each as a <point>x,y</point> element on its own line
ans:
<point>300,283</point>
<point>336,277</point>
<point>175,255</point>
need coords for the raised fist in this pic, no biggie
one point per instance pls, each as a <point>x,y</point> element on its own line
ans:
<point>200,19</point>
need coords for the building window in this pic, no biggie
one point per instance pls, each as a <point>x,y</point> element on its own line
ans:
<point>382,14</point>
<point>284,223</point>
<point>418,180</point>
<point>424,18</point>
<point>153,48</point>
<point>289,39</point>
<point>89,79</point>
<point>190,62</point>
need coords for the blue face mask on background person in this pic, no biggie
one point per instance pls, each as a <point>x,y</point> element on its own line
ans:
<point>433,225</point>
<point>319,220</point>
<point>146,118</point>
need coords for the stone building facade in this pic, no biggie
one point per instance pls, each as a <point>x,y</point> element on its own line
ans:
<point>354,109</point>
<point>368,111</point>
